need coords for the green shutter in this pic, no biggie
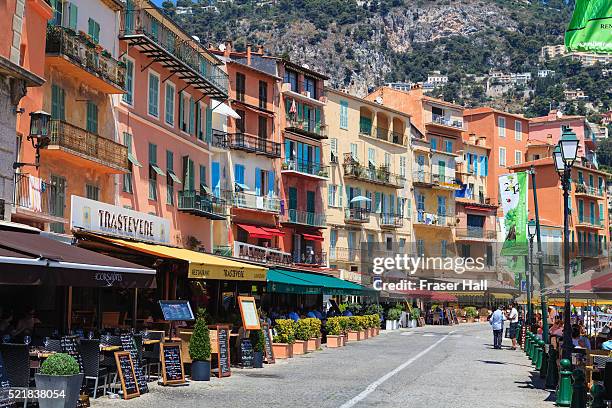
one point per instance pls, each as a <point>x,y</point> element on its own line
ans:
<point>208,124</point>
<point>93,29</point>
<point>92,117</point>
<point>73,12</point>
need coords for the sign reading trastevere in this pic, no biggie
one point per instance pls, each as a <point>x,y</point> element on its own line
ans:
<point>107,219</point>
<point>591,27</point>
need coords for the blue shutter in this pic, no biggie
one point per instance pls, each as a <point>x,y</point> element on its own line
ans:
<point>287,150</point>
<point>475,164</point>
<point>391,204</point>
<point>486,166</point>
<point>215,175</point>
<point>377,202</point>
<point>257,181</point>
<point>271,183</point>
<point>344,114</point>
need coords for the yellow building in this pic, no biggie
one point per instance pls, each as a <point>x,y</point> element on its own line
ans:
<point>368,190</point>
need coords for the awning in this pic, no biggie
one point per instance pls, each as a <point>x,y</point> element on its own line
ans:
<point>242,186</point>
<point>133,160</point>
<point>255,232</point>
<point>478,209</point>
<point>201,265</point>
<point>328,285</point>
<point>282,282</point>
<point>273,231</point>
<point>28,258</point>
<point>174,177</point>
<point>223,109</point>
<point>157,170</point>
<point>312,237</point>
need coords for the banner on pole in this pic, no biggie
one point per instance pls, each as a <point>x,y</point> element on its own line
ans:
<point>513,189</point>
<point>590,29</point>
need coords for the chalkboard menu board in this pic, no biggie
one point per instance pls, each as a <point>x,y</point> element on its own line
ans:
<point>246,353</point>
<point>176,310</point>
<point>70,345</point>
<point>269,351</point>
<point>172,363</point>
<point>223,335</point>
<point>125,369</point>
<point>129,344</point>
<point>5,399</point>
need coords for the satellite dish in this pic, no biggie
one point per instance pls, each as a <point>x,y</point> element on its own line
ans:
<point>221,47</point>
<point>379,100</point>
<point>559,114</point>
<point>195,37</point>
<point>306,66</point>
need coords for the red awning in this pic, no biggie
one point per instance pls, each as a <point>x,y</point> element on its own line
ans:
<point>255,232</point>
<point>273,231</point>
<point>479,209</point>
<point>430,295</point>
<point>599,284</point>
<point>311,237</point>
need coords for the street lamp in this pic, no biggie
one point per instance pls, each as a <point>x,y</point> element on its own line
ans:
<point>531,232</point>
<point>39,135</point>
<point>564,156</point>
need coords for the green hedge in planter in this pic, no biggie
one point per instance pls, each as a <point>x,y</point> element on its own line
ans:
<point>60,364</point>
<point>471,311</point>
<point>302,329</point>
<point>257,340</point>
<point>333,327</point>
<point>315,326</point>
<point>199,344</point>
<point>415,313</point>
<point>354,323</point>
<point>285,331</point>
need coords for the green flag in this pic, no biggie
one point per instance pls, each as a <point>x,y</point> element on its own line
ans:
<point>591,27</point>
<point>513,190</point>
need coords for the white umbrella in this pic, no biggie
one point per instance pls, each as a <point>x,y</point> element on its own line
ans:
<point>360,198</point>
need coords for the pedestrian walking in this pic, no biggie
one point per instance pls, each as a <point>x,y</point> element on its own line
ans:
<point>513,317</point>
<point>497,324</point>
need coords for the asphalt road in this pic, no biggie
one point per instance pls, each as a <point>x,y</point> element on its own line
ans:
<point>434,366</point>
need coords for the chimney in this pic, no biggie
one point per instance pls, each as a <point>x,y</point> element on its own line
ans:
<point>248,53</point>
<point>260,49</point>
<point>228,48</point>
<point>472,138</point>
<point>549,139</point>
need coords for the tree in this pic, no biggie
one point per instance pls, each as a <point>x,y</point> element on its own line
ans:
<point>167,5</point>
<point>199,344</point>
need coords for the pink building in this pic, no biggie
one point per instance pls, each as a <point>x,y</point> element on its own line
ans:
<point>549,129</point>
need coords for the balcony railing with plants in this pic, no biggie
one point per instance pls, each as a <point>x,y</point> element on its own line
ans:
<point>391,220</point>
<point>378,175</point>
<point>356,215</point>
<point>36,195</point>
<point>83,52</point>
<point>137,22</point>
<point>89,145</point>
<point>255,253</point>
<point>441,120</point>
<point>306,126</point>
<point>255,202</point>
<point>426,218</point>
<point>589,190</point>
<point>202,203</point>
<point>250,143</point>
<point>316,258</point>
<point>313,219</point>
<point>443,180</point>
<point>475,232</point>
<point>306,167</point>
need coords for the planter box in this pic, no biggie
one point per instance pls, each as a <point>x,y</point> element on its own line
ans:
<point>377,331</point>
<point>353,335</point>
<point>364,334</point>
<point>299,347</point>
<point>318,343</point>
<point>69,384</point>
<point>282,350</point>
<point>389,325</point>
<point>372,331</point>
<point>311,344</point>
<point>470,320</point>
<point>335,341</point>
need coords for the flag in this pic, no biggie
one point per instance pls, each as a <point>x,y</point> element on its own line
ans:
<point>513,190</point>
<point>591,27</point>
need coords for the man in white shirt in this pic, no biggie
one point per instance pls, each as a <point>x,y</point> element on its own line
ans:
<point>514,318</point>
<point>497,324</point>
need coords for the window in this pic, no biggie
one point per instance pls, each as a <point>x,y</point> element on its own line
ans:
<point>354,151</point>
<point>371,157</point>
<point>434,143</point>
<point>169,178</point>
<point>448,146</point>
<point>154,171</point>
<point>58,8</point>
<point>310,86</point>
<point>420,247</point>
<point>191,119</point>
<point>57,202</point>
<point>92,117</point>
<point>437,112</point>
<point>153,94</point>
<point>580,211</point>
<point>57,102</point>
<point>441,206</point>
<point>402,166</point>
<point>331,195</point>
<point>443,248</point>
<point>93,30</point>
<point>128,96</point>
<point>388,160</point>
<point>169,114</point>
<point>333,143</point>
<point>127,177</point>
<point>92,192</point>
<point>71,17</point>
<point>203,182</point>
<point>502,157</point>
<point>239,173</point>
<point>291,77</point>
<point>240,122</point>
<point>501,126</point>
<point>343,115</point>
<point>262,130</point>
<point>263,94</point>
<point>518,157</point>
<point>240,86</point>
<point>518,130</point>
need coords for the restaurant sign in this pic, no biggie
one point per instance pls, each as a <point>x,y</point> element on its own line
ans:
<point>95,216</point>
<point>204,271</point>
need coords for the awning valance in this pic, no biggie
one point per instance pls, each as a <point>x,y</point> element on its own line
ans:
<point>273,231</point>
<point>201,265</point>
<point>282,282</point>
<point>328,285</point>
<point>255,232</point>
<point>223,109</point>
<point>311,237</point>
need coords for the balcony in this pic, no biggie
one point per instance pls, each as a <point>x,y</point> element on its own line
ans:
<point>590,223</point>
<point>305,168</point>
<point>251,201</point>
<point>202,204</point>
<point>254,144</point>
<point>582,190</point>
<point>73,144</point>
<point>590,252</point>
<point>37,199</point>
<point>422,178</point>
<point>77,56</point>
<point>445,182</point>
<point>381,175</point>
<point>315,258</point>
<point>449,123</point>
<point>304,218</point>
<point>264,255</point>
<point>356,215</point>
<point>307,128</point>
<point>391,220</point>
<point>475,234</point>
<point>219,140</point>
<point>344,254</point>
<point>381,133</point>
<point>181,55</point>
<point>434,220</point>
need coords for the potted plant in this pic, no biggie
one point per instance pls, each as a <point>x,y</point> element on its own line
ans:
<point>315,333</point>
<point>199,349</point>
<point>415,313</point>
<point>335,338</point>
<point>393,316</point>
<point>364,326</point>
<point>471,313</point>
<point>302,335</point>
<point>283,340</point>
<point>59,373</point>
<point>377,326</point>
<point>258,343</point>
<point>353,332</point>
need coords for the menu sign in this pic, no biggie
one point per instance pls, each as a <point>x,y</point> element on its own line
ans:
<point>125,369</point>
<point>174,310</point>
<point>5,399</point>
<point>248,311</point>
<point>246,353</point>
<point>95,216</point>
<point>172,363</point>
<point>128,344</point>
<point>223,350</point>
<point>70,345</point>
<point>268,350</point>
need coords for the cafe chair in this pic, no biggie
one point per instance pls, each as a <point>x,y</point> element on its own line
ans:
<point>151,356</point>
<point>90,353</point>
<point>17,363</point>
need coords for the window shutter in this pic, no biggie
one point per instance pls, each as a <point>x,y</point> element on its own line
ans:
<point>73,12</point>
<point>330,195</point>
<point>208,124</point>
<point>191,116</point>
<point>257,181</point>
<point>180,111</point>
<point>271,183</point>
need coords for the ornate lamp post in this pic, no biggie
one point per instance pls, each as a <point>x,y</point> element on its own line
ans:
<point>40,122</point>
<point>531,232</point>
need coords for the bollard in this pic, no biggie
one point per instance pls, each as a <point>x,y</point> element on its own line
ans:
<point>528,344</point>
<point>564,393</point>
<point>539,355</point>
<point>579,392</point>
<point>552,374</point>
<point>597,393</point>
<point>544,365</point>
<point>534,351</point>
<point>518,334</point>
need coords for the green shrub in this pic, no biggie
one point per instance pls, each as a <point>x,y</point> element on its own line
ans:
<point>415,313</point>
<point>60,364</point>
<point>199,343</point>
<point>354,323</point>
<point>373,309</point>
<point>376,320</point>
<point>285,331</point>
<point>258,340</point>
<point>394,313</point>
<point>344,322</point>
<point>315,327</point>
<point>333,326</point>
<point>342,307</point>
<point>471,311</point>
<point>302,329</point>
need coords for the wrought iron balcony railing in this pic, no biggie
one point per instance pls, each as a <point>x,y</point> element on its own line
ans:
<point>344,254</point>
<point>425,218</point>
<point>421,177</point>
<point>37,196</point>
<point>88,145</point>
<point>305,218</point>
<point>255,202</point>
<point>83,53</point>
<point>475,232</point>
<point>268,256</point>
<point>356,215</point>
<point>202,204</point>
<point>307,127</point>
<point>250,143</point>
<point>583,189</point>
<point>306,167</point>
<point>220,139</point>
<point>391,220</point>
<point>377,175</point>
<point>316,258</point>
<point>441,120</point>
